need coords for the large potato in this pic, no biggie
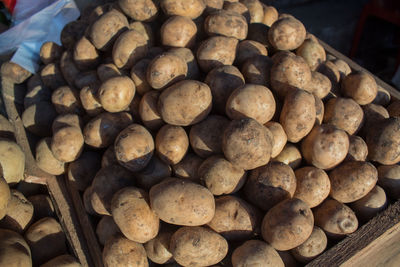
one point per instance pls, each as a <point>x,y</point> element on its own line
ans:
<point>188,8</point>
<point>312,52</point>
<point>312,247</point>
<point>12,161</point>
<point>121,252</point>
<point>226,23</point>
<point>46,160</point>
<point>82,171</point>
<point>389,179</point>
<point>185,37</point>
<point>286,34</point>
<point>5,197</point>
<point>181,202</point>
<point>280,137</point>
<point>14,251</point>
<point>140,10</point>
<point>360,86</point>
<point>172,144</point>
<point>256,253</point>
<point>156,171</point>
<point>116,93</point>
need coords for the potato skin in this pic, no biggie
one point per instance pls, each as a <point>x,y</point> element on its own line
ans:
<point>46,160</point>
<point>191,8</point>
<point>66,100</point>
<point>50,52</point>
<point>180,202</point>
<point>139,10</point>
<point>67,143</point>
<point>157,249</point>
<point>90,101</point>
<point>320,85</point>
<point>194,100</point>
<point>358,149</point>
<point>186,54</point>
<point>270,15</point>
<point>248,49</point>
<point>85,54</point>
<point>138,76</point>
<point>312,247</point>
<point>120,252</point>
<point>280,137</point>
<point>312,52</point>
<point>82,171</point>
<point>389,179</point>
<point>172,144</point>
<point>185,37</point>
<point>256,253</point>
<point>286,34</point>
<point>226,23</point>
<point>68,68</point>
<point>65,260</point>
<point>12,160</point>
<point>19,213</point>
<point>197,246</point>
<point>51,76</point>
<point>372,203</point>
<point>290,155</point>
<point>14,251</point>
<point>288,224</point>
<point>116,93</point>
<point>360,86</point>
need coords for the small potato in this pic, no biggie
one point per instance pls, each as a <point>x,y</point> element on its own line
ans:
<point>116,93</point>
<point>37,93</point>
<point>288,224</point>
<point>66,100</point>
<point>68,68</point>
<point>220,176</point>
<point>42,233</point>
<point>185,103</point>
<point>140,10</point>
<point>130,47</point>
<point>106,229</point>
<point>268,185</point>
<point>206,136</point>
<point>42,206</point>
<point>144,29</point>
<point>358,149</point>
<point>330,70</point>
<point>134,147</point>
<point>185,37</point>
<point>394,109</point>
<point>256,10</point>
<point>5,197</point>
<point>50,52</point>
<point>165,70</point>
<point>65,120</point>
<point>52,76</point>
<point>15,252</point>
<point>312,52</point>
<point>343,67</point>
<point>197,246</point>
<point>280,137</point>
<point>85,55</point>
<point>71,33</point>
<point>319,85</point>
<point>247,49</point>
<point>102,130</point>
<point>12,161</point>
<point>325,146</point>
<point>106,29</point>
<point>191,9</point>
<point>298,115</point>
<point>157,249</point>
<point>132,213</point>
<point>155,172</point>
<point>234,218</point>
<point>138,76</point>
<point>289,155</point>
<point>19,213</point>
<point>372,203</point>
<point>65,260</point>
<point>313,185</point>
<point>172,144</point>
<point>82,171</point>
<point>256,253</point>
<point>148,111</point>
<point>46,160</point>
<point>193,72</point>
<point>270,15</point>
<point>238,8</point>
<point>360,86</point>
<point>106,71</point>
<point>187,168</point>
<point>312,247</point>
<point>389,179</point>
<point>181,202</point>
<point>286,34</point>
<point>247,144</point>
<point>335,218</point>
<point>67,143</point>
<point>121,252</point>
<point>217,79</point>
<point>90,101</point>
<point>226,23</point>
<point>216,51</point>
<point>383,97</point>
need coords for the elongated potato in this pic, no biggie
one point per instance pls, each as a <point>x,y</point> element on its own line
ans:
<point>172,144</point>
<point>140,10</point>
<point>85,54</point>
<point>12,161</point>
<point>121,252</point>
<point>116,93</point>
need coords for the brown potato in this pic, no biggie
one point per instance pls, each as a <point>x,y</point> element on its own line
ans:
<point>68,68</point>
<point>185,103</point>
<point>330,70</point>
<point>157,249</point>
<point>289,155</point>
<point>286,34</point>
<point>36,93</point>
<point>89,100</point>
<point>319,110</point>
<point>213,5</point>
<point>197,246</point>
<point>226,23</point>
<point>67,143</point>
<point>12,161</point>
<point>343,67</point>
<point>82,171</point>
<point>312,52</point>
<point>71,32</point>
<point>140,10</point>
<point>138,76</point>
<point>106,71</point>
<point>256,253</point>
<point>206,136</point>
<point>313,185</point>
<point>280,137</point>
<point>42,206</point>
<point>106,229</point>
<point>185,37</point>
<point>220,176</point>
<point>288,258</point>
<point>238,8</point>
<point>373,115</point>
<point>383,97</point>
<point>187,167</point>
<point>268,185</point>
<point>87,201</point>
<point>319,85</point>
<point>372,203</point>
<point>156,171</point>
<point>50,52</point>
<point>172,144</point>
<point>15,251</point>
<point>65,260</point>
<point>148,110</point>
<point>86,78</point>
<point>335,218</point>
<point>65,120</point>
<point>270,15</point>
<point>46,160</point>
<point>109,157</point>
<point>394,109</point>
<point>256,10</point>
<point>191,9</point>
<point>116,93</point>
<point>325,146</point>
<point>312,247</point>
<point>180,202</point>
<point>144,29</point>
<point>121,252</point>
<point>247,144</point>
<point>257,69</point>
<point>66,100</point>
<point>216,51</point>
<point>389,179</point>
<point>358,149</point>
<point>19,213</point>
<point>288,224</point>
<point>52,76</point>
<point>5,197</point>
<point>193,72</point>
<point>247,49</point>
<point>360,86</point>
<point>85,54</point>
<point>234,218</point>
<point>130,47</point>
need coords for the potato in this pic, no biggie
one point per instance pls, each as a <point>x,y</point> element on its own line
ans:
<point>66,99</point>
<point>172,144</point>
<point>42,233</point>
<point>216,51</point>
<point>89,100</point>
<point>213,5</point>
<point>330,70</point>
<point>220,176</point>
<point>197,246</point>
<point>130,47</point>
<point>286,34</point>
<point>52,76</point>
<point>134,108</point>
<point>234,218</point>
<point>157,249</point>
<point>312,247</point>
<point>343,67</point>
<point>217,79</point>
<point>319,85</point>
<point>109,157</point>
<point>106,71</point>
<point>120,252</point>
<point>134,147</point>
<point>313,185</point>
<point>12,161</point>
<point>288,258</point>
<point>289,155</point>
<point>165,70</point>
<point>102,130</point>
<point>312,52</point>
<point>185,37</point>
<point>106,183</point>
<point>181,202</point>
<point>50,52</point>
<point>358,149</point>
<point>37,93</point>
<point>383,97</point>
<point>268,185</point>
<point>132,213</point>
<point>238,8</point>
<point>145,30</point>
<point>65,120</point>
<point>360,86</point>
<point>86,78</point>
<point>46,160</point>
<point>116,93</point>
<point>372,203</point>
<point>187,167</point>
<point>226,23</point>
<point>256,10</point>
<point>288,224</point>
<point>14,251</point>
<point>335,218</point>
<point>5,197</point>
<point>288,73</point>
<point>319,110</point>
<point>82,171</point>
<point>68,68</point>
<point>85,54</point>
<point>67,143</point>
<point>325,146</point>
<point>383,141</point>
<point>206,136</point>
<point>65,260</point>
<point>389,179</point>
<point>42,206</point>
<point>248,49</point>
<point>247,144</point>
<point>106,29</point>
<point>106,229</point>
<point>280,137</point>
<point>270,15</point>
<point>394,109</point>
<point>153,173</point>
<point>373,114</point>
<point>87,201</point>
<point>140,10</point>
<point>71,33</point>
<point>191,9</point>
<point>148,111</point>
<point>138,76</point>
<point>193,72</point>
<point>256,253</point>
<point>185,103</point>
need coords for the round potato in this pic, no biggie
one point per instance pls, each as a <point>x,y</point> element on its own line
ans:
<point>65,120</point>
<point>312,247</point>
<point>67,143</point>
<point>187,167</point>
<point>290,155</point>
<point>256,253</point>
<point>121,252</point>
<point>51,76</point>
<point>286,34</point>
<point>140,10</point>
<point>358,149</point>
<point>220,176</point>
<point>85,54</point>
<point>50,52</point>
<point>14,251</point>
<point>185,103</point>
<point>82,171</point>
<point>360,86</point>
<point>247,49</point>
<point>172,144</point>
<point>145,30</point>
<point>247,144</point>
<point>288,224</point>
<point>226,23</point>
<point>372,203</point>
<point>12,161</point>
<point>185,37</point>
<point>36,93</point>
<point>106,229</point>
<point>180,202</point>
<point>268,185</point>
<point>5,197</point>
<point>270,15</point>
<point>38,118</point>
<point>312,52</point>
<point>138,76</point>
<point>66,100</point>
<point>65,260</point>
<point>191,9</point>
<point>116,93</point>
<point>257,69</point>
<point>193,72</point>
<point>46,160</point>
<point>197,246</point>
<point>319,85</point>
<point>280,137</point>
<point>157,249</point>
<point>389,179</point>
<point>156,171</point>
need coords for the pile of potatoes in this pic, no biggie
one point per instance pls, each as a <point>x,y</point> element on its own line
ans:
<point>210,132</point>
